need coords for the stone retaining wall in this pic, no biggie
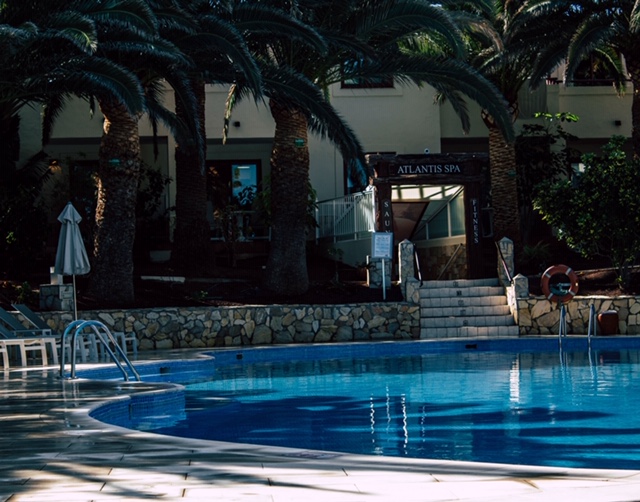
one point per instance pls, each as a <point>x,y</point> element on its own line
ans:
<point>195,327</point>
<point>539,316</point>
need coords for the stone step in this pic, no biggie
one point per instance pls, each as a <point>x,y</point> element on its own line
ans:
<point>461,292</point>
<point>465,309</point>
<point>460,283</point>
<point>459,322</point>
<point>465,301</point>
<point>473,310</point>
<point>471,332</point>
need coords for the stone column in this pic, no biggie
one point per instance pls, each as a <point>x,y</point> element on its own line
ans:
<point>407,269</point>
<point>56,297</point>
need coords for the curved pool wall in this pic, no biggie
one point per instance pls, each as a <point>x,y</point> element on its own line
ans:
<point>167,404</point>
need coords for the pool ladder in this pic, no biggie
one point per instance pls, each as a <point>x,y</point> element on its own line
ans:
<point>591,329</point>
<point>104,336</point>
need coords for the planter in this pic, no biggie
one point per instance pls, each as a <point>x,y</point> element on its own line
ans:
<point>608,322</point>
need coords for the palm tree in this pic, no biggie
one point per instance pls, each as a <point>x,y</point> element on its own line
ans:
<point>363,40</point>
<point>218,48</point>
<point>610,28</point>
<point>219,53</point>
<point>127,38</point>
<point>47,56</point>
<point>504,50</point>
<point>156,63</point>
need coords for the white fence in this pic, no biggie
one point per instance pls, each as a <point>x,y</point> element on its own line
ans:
<point>347,217</point>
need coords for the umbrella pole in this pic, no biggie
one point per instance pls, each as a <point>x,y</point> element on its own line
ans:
<point>75,300</point>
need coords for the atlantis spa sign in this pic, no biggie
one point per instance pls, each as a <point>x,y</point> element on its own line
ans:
<point>445,167</point>
<point>428,169</point>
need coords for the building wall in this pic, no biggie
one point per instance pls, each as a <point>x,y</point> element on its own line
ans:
<point>402,120</point>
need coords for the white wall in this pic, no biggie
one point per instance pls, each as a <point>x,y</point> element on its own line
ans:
<point>404,120</point>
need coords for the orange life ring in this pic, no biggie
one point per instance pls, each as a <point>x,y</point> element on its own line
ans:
<point>561,292</point>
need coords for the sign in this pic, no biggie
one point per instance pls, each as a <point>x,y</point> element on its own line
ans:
<point>298,142</point>
<point>429,168</point>
<point>475,220</point>
<point>382,245</point>
<point>386,218</point>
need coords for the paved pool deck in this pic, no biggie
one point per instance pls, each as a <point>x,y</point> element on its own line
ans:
<point>51,450</point>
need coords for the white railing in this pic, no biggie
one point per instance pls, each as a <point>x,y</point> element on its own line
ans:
<point>347,217</point>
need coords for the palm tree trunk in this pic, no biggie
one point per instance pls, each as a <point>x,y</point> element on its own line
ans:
<point>286,271</point>
<point>504,188</point>
<point>191,239</point>
<point>118,178</point>
<point>633,67</point>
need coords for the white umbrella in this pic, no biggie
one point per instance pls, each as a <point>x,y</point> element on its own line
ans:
<point>71,257</point>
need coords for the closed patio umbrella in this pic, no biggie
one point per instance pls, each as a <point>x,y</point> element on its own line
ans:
<point>71,257</point>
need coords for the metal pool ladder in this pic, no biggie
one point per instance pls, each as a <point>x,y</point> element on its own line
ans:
<point>104,336</point>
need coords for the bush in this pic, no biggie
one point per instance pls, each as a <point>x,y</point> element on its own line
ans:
<point>598,212</point>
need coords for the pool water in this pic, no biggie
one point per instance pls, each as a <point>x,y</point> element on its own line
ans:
<point>572,409</point>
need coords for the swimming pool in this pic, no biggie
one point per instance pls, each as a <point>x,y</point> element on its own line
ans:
<point>456,401</point>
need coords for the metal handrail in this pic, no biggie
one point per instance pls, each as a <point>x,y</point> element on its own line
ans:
<point>504,263</point>
<point>453,256</point>
<point>77,326</point>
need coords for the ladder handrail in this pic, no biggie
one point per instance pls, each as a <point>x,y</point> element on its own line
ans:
<point>77,326</point>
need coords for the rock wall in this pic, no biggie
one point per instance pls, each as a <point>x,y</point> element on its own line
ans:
<point>539,316</point>
<point>172,328</point>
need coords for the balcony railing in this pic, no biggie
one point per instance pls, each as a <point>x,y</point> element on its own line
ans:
<point>347,217</point>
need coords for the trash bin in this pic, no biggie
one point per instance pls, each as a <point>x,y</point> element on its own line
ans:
<point>608,322</point>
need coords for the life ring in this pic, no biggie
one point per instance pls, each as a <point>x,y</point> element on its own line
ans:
<point>556,289</point>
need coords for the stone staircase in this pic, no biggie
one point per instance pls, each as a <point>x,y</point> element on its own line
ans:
<point>465,308</point>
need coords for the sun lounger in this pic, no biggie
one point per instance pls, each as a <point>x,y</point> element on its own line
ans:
<point>89,343</point>
<point>27,344</point>
<point>5,355</point>
<point>86,343</point>
<point>15,333</point>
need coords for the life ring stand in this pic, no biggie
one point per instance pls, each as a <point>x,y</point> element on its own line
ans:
<point>555,291</point>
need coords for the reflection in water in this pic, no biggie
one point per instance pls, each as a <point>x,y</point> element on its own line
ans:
<point>480,406</point>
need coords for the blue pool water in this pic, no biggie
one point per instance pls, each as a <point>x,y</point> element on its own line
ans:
<point>575,409</point>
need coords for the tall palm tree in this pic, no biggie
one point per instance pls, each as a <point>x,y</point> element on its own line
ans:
<point>611,28</point>
<point>363,40</point>
<point>157,64</point>
<point>127,37</point>
<point>219,53</point>
<point>504,50</point>
<point>48,55</point>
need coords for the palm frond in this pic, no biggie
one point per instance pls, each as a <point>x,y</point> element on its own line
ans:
<point>135,14</point>
<point>256,21</point>
<point>592,33</point>
<point>392,22</point>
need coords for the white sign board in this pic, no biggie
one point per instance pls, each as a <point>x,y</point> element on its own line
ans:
<point>382,245</point>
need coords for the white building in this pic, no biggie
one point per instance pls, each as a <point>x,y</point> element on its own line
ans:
<point>400,120</point>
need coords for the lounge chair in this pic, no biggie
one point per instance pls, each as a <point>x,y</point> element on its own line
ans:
<point>37,321</point>
<point>8,339</point>
<point>5,355</point>
<point>18,330</point>
<point>86,344</point>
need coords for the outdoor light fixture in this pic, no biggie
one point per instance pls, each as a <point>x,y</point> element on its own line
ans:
<point>236,123</point>
<point>617,123</point>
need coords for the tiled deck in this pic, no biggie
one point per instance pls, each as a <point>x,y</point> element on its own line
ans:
<point>51,450</point>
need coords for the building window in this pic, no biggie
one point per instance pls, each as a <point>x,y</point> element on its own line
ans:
<point>358,82</point>
<point>232,182</point>
<point>449,220</point>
